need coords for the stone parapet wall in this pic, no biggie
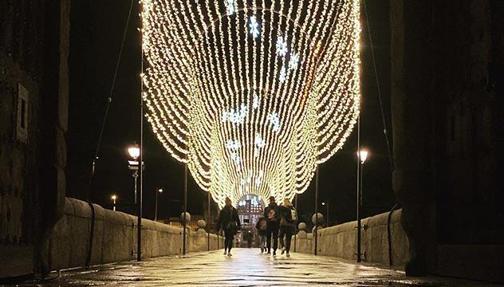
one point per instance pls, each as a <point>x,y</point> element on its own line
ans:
<point>303,242</point>
<point>115,237</point>
<point>341,240</point>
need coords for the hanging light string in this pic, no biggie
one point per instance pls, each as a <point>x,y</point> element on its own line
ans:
<point>251,95</point>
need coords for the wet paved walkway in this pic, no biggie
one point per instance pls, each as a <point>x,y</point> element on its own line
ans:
<point>245,268</point>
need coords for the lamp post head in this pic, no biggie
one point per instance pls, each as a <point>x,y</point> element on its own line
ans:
<point>113,197</point>
<point>134,151</point>
<point>160,190</point>
<point>363,155</point>
<point>323,203</point>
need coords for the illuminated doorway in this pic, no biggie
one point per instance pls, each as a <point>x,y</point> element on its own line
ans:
<point>250,208</point>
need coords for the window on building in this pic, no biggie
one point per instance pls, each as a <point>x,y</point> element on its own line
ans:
<point>22,114</point>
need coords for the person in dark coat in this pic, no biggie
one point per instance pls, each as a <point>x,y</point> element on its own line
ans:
<point>261,228</point>
<point>272,224</point>
<point>229,222</point>
<point>288,218</point>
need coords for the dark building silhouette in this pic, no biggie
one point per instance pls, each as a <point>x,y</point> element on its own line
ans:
<point>447,115</point>
<point>34,46</point>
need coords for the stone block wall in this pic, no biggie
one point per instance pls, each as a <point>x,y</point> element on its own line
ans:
<point>447,87</point>
<point>303,242</point>
<point>34,48</point>
<point>341,240</point>
<point>114,237</point>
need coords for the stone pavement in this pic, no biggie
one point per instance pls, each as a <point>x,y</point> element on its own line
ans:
<point>245,268</point>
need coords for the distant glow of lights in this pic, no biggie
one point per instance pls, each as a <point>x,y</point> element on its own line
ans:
<point>222,74</point>
<point>254,27</point>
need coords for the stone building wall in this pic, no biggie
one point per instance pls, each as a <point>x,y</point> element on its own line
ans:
<point>468,178</point>
<point>447,114</point>
<point>33,115</point>
<point>17,163</point>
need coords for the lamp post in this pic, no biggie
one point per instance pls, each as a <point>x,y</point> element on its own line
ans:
<point>140,153</point>
<point>114,198</point>
<point>136,165</point>
<point>208,219</point>
<point>296,227</point>
<point>362,155</point>
<point>184,223</point>
<point>326,204</point>
<point>160,190</point>
<point>315,234</point>
<point>134,153</point>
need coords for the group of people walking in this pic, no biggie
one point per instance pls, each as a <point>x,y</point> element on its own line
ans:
<point>278,224</point>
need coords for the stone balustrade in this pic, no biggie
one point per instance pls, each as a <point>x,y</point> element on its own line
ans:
<point>341,240</point>
<point>115,237</point>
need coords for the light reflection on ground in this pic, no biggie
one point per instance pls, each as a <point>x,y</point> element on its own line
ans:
<point>246,268</point>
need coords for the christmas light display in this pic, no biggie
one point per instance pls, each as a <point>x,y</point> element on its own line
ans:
<point>251,95</point>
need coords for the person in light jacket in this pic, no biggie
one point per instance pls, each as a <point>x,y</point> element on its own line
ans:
<point>288,218</point>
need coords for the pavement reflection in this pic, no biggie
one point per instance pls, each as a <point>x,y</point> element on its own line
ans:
<point>247,267</point>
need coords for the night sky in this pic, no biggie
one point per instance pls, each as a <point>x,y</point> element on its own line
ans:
<point>96,33</point>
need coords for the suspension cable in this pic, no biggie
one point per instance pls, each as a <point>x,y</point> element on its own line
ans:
<point>109,99</point>
<point>379,91</point>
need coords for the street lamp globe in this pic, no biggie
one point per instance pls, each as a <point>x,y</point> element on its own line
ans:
<point>323,203</point>
<point>134,151</point>
<point>363,155</point>
<point>160,190</point>
<point>114,198</point>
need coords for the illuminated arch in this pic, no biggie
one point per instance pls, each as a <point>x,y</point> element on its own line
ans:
<point>253,97</point>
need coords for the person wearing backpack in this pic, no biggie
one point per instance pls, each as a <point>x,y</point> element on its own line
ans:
<point>229,222</point>
<point>288,218</point>
<point>261,227</point>
<point>272,224</point>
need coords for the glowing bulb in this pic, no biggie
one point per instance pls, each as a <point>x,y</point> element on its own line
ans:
<point>363,155</point>
<point>134,152</point>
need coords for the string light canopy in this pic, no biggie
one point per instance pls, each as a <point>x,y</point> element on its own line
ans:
<point>251,94</point>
